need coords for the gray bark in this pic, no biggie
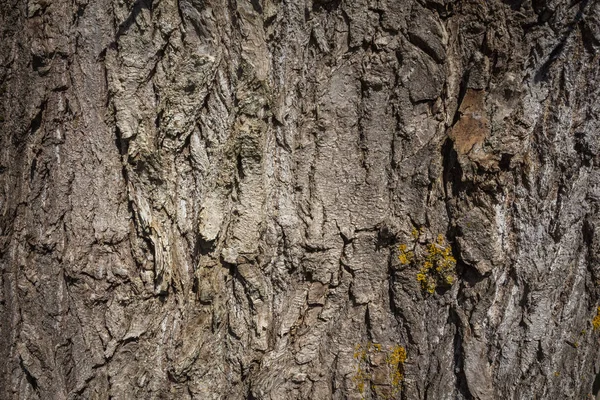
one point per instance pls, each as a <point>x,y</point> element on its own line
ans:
<point>204,199</point>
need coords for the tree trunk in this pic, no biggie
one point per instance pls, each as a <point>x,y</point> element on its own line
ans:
<point>275,199</point>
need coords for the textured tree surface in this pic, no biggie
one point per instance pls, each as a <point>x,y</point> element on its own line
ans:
<point>204,199</point>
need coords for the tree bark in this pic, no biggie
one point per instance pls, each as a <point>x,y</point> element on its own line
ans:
<point>204,199</point>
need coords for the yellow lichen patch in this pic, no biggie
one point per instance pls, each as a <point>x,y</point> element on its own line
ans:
<point>406,256</point>
<point>396,360</point>
<point>415,233</point>
<point>367,369</point>
<point>360,377</point>
<point>596,320</point>
<point>397,355</point>
<point>434,259</point>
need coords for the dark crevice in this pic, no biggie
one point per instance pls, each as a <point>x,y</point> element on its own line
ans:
<point>133,339</point>
<point>461,95</point>
<point>250,396</point>
<point>158,118</point>
<point>596,386</point>
<point>203,247</point>
<point>469,275</point>
<point>199,27</point>
<point>461,378</point>
<point>424,46</point>
<point>589,40</point>
<point>352,296</point>
<point>158,58</point>
<point>312,42</point>
<point>231,268</point>
<point>79,13</point>
<point>32,169</point>
<point>524,300</point>
<point>107,103</point>
<point>452,171</point>
<point>543,71</point>
<point>327,5</point>
<point>38,62</point>
<point>257,6</point>
<point>514,4</point>
<point>588,231</point>
<point>345,239</point>
<point>385,238</point>
<point>135,11</point>
<point>544,13</point>
<point>368,325</point>
<point>122,144</point>
<point>505,161</point>
<point>583,149</point>
<point>346,18</point>
<point>150,169</point>
<point>240,167</point>
<point>422,101</point>
<point>362,139</point>
<point>189,88</point>
<point>30,378</point>
<point>444,9</point>
<point>36,122</point>
<point>540,353</point>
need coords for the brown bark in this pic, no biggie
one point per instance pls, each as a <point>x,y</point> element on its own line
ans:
<point>206,199</point>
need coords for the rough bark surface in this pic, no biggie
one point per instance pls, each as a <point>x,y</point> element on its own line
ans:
<point>204,199</point>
